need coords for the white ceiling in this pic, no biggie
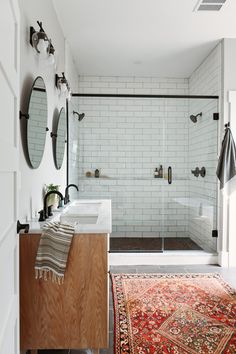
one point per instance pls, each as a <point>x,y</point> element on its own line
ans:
<point>162,38</point>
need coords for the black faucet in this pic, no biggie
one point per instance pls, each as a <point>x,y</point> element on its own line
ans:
<point>45,208</point>
<point>67,197</point>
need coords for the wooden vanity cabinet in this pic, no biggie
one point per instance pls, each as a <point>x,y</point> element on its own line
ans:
<point>73,315</point>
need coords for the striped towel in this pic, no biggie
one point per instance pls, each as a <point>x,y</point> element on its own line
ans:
<point>53,250</point>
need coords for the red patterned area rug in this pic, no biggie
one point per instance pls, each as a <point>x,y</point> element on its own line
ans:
<point>173,313</point>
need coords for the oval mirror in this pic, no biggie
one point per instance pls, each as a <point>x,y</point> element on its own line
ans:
<point>59,138</point>
<point>36,122</point>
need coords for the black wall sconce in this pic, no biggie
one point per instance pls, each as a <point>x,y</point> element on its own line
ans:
<point>41,43</point>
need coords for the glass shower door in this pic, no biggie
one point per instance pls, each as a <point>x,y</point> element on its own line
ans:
<point>190,200</point>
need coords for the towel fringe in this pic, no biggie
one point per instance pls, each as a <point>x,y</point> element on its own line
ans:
<point>47,274</point>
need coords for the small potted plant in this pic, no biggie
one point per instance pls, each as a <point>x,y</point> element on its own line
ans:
<point>52,199</point>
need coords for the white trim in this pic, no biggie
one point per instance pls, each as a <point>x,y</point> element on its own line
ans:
<point>231,96</point>
<point>223,259</point>
<point>10,318</point>
<point>167,258</point>
<point>232,189</point>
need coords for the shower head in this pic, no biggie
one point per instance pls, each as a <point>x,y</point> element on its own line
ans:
<point>80,115</point>
<point>193,118</point>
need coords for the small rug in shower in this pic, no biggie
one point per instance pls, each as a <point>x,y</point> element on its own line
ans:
<point>173,313</point>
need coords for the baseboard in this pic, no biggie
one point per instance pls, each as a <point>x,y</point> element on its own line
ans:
<point>167,258</point>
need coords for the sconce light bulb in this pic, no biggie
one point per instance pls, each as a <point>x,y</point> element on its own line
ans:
<point>42,47</point>
<point>63,87</point>
<point>51,59</point>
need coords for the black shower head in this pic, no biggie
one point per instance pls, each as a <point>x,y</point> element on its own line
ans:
<point>193,118</point>
<point>80,115</point>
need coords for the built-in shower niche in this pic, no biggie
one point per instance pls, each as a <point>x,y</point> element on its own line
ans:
<point>126,139</point>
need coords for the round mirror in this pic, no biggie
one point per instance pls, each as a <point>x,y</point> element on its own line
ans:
<point>59,138</point>
<point>36,122</point>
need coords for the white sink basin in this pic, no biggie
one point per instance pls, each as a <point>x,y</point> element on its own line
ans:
<point>89,216</point>
<point>84,208</point>
<point>81,219</point>
<point>87,219</point>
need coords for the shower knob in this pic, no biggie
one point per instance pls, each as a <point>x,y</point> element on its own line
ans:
<point>196,172</point>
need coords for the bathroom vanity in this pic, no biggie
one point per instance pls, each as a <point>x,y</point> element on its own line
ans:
<point>75,314</point>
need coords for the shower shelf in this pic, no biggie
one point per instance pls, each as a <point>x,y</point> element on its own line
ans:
<point>132,179</point>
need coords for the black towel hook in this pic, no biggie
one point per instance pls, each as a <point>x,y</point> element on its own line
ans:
<point>227,125</point>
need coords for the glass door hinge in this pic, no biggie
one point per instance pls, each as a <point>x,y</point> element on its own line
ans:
<point>216,116</point>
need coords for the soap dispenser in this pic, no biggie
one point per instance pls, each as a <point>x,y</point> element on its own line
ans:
<point>161,172</point>
<point>97,173</point>
<point>156,173</point>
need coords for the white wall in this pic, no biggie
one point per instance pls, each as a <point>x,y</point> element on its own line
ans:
<point>73,125</point>
<point>33,180</point>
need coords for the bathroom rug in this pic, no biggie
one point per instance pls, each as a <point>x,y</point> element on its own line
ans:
<point>173,313</point>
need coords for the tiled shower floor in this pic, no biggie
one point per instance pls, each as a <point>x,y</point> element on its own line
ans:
<point>153,244</point>
<point>228,274</point>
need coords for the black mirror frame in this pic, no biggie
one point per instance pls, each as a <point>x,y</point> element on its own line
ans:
<point>24,118</point>
<point>53,134</point>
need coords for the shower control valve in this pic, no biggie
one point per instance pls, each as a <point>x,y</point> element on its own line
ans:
<point>198,171</point>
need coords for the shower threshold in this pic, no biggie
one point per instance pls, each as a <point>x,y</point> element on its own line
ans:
<point>152,244</point>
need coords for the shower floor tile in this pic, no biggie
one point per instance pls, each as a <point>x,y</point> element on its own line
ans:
<point>147,244</point>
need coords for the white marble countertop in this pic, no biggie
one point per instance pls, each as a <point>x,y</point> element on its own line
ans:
<point>101,208</point>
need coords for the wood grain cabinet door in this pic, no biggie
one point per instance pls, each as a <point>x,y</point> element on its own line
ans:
<point>72,315</point>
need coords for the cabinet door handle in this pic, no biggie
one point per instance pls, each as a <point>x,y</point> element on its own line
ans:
<point>20,226</point>
<point>169,175</point>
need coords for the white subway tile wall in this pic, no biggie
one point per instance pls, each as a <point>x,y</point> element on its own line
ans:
<point>203,136</point>
<point>126,139</point>
<point>123,138</point>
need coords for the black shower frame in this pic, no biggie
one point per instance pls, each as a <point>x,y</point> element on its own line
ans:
<point>119,95</point>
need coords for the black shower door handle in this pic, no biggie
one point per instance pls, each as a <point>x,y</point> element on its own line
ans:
<point>169,175</point>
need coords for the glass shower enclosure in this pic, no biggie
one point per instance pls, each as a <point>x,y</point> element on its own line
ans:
<point>157,163</point>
